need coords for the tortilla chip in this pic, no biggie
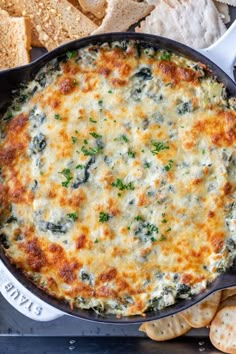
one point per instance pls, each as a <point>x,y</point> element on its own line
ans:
<point>167,328</point>
<point>201,314</point>
<point>223,11</point>
<point>142,328</point>
<point>223,330</point>
<point>198,21</point>
<point>228,292</point>
<point>160,22</point>
<point>121,14</point>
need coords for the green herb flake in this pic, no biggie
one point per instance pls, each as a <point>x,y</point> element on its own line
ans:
<point>73,139</point>
<point>165,56</point>
<point>79,167</point>
<point>57,116</point>
<point>146,165</point>
<point>153,239</point>
<point>169,229</point>
<point>66,172</point>
<point>203,151</point>
<point>124,138</point>
<point>92,120</point>
<point>73,216</point>
<point>95,135</point>
<point>139,218</point>
<point>90,151</point>
<point>71,54</point>
<point>158,146</point>
<point>103,217</point>
<point>110,91</point>
<point>119,194</point>
<point>164,221</point>
<point>96,241</point>
<point>118,183</point>
<point>162,238</point>
<point>131,154</point>
<point>152,228</point>
<point>169,165</point>
<point>75,82</point>
<point>100,102</point>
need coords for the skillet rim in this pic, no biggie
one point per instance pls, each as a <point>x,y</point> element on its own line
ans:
<point>25,73</point>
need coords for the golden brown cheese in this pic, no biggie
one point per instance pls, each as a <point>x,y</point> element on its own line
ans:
<point>118,173</point>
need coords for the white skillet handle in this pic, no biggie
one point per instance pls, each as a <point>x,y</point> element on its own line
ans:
<point>23,300</point>
<point>223,52</point>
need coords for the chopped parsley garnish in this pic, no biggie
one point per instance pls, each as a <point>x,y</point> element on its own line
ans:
<point>57,116</point>
<point>95,135</point>
<point>131,154</point>
<point>124,138</point>
<point>73,139</point>
<point>103,217</point>
<point>75,82</point>
<point>158,146</point>
<point>162,238</point>
<point>96,241</point>
<point>118,183</point>
<point>79,167</point>
<point>164,221</point>
<point>146,165</point>
<point>100,102</point>
<point>152,228</point>
<point>165,56</point>
<point>110,91</point>
<point>66,172</point>
<point>203,151</point>
<point>71,54</point>
<point>90,151</point>
<point>153,239</point>
<point>85,141</point>
<point>169,165</point>
<point>73,216</point>
<point>169,229</point>
<point>139,218</point>
<point>92,120</point>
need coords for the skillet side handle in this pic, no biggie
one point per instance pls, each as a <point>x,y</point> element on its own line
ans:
<point>223,52</point>
<point>23,300</point>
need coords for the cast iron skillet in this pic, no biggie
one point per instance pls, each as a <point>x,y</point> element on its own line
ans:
<point>11,79</point>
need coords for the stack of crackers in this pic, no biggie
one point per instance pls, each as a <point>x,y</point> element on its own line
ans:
<point>217,312</point>
<point>50,23</point>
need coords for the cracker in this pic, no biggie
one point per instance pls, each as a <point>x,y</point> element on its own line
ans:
<point>198,21</point>
<point>96,7</point>
<point>142,328</point>
<point>167,328</point>
<point>121,14</point>
<point>229,2</point>
<point>230,301</point>
<point>223,330</point>
<point>223,11</point>
<point>201,314</point>
<point>228,292</point>
<point>160,22</point>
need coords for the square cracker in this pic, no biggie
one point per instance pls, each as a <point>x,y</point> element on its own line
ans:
<point>160,22</point>
<point>198,21</point>
<point>121,14</point>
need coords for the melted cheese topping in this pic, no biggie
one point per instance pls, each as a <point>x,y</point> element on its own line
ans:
<point>118,169</point>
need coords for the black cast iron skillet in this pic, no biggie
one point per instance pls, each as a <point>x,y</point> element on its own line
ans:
<point>11,79</point>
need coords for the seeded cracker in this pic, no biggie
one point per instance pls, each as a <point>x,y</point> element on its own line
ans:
<point>223,330</point>
<point>166,328</point>
<point>121,14</point>
<point>198,21</point>
<point>160,22</point>
<point>201,314</point>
